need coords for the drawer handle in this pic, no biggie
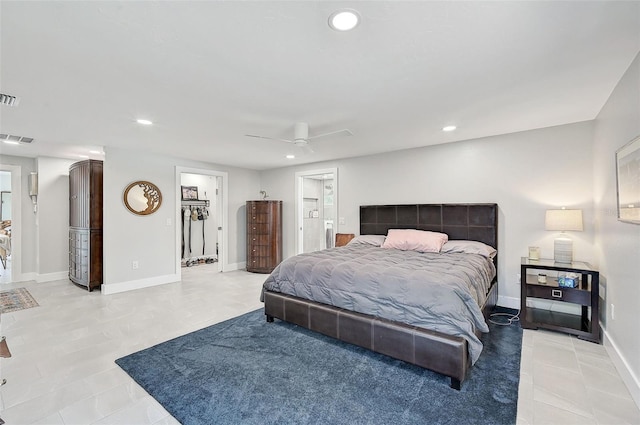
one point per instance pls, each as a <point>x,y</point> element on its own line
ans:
<point>556,293</point>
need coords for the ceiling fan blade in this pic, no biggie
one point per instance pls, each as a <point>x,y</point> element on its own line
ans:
<point>308,149</point>
<point>269,138</point>
<point>346,132</point>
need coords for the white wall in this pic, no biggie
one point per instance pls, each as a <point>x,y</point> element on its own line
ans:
<point>618,243</point>
<point>52,230</point>
<point>524,173</point>
<point>148,239</point>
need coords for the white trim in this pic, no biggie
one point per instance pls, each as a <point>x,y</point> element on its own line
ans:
<point>509,302</point>
<point>114,288</point>
<point>223,254</point>
<point>16,223</point>
<point>622,366</point>
<point>49,277</point>
<point>299,205</point>
<point>24,277</point>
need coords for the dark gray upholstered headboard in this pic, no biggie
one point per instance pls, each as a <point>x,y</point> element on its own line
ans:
<point>475,222</point>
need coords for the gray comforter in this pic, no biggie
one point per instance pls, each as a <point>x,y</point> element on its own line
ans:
<point>436,291</point>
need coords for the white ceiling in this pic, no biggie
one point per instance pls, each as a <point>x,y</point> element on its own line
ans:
<point>207,73</point>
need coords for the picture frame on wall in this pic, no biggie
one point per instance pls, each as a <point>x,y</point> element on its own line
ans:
<point>628,181</point>
<point>189,193</point>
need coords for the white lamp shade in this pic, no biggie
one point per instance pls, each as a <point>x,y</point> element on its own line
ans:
<point>563,220</point>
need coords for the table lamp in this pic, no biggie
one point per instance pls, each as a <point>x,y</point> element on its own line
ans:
<point>563,220</point>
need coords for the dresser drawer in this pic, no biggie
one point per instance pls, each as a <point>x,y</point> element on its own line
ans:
<point>570,295</point>
<point>260,218</point>
<point>259,251</point>
<point>259,229</point>
<point>255,240</point>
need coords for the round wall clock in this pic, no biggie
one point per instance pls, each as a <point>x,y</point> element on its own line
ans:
<point>142,198</point>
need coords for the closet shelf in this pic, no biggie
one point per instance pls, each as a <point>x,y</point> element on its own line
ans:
<point>196,202</point>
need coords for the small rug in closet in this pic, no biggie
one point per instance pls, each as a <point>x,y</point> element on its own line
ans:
<point>16,299</point>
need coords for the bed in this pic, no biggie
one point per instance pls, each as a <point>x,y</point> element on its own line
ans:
<point>299,290</point>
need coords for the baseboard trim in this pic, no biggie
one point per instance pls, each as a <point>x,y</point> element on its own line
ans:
<point>630,380</point>
<point>48,277</point>
<point>114,288</point>
<point>509,302</point>
<point>24,277</point>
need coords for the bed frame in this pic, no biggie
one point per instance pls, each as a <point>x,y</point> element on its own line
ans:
<point>432,350</point>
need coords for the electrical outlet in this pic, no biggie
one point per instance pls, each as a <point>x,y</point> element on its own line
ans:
<point>613,312</point>
<point>168,223</point>
<point>134,265</point>
<point>518,278</point>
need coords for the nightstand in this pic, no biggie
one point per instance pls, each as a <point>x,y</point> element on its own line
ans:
<point>586,294</point>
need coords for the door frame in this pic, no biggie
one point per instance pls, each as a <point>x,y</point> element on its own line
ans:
<point>222,209</point>
<point>299,186</point>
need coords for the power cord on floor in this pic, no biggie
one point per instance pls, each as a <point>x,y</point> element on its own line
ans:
<point>510,318</point>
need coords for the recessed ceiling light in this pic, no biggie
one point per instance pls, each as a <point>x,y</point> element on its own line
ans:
<point>11,142</point>
<point>291,156</point>
<point>344,20</point>
<point>97,152</point>
<point>449,128</point>
<point>83,156</point>
<point>144,122</point>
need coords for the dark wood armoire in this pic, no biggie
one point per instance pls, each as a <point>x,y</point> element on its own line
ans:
<point>85,223</point>
<point>264,235</point>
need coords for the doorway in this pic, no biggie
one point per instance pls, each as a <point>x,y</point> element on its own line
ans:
<point>316,209</point>
<point>10,178</point>
<point>201,230</point>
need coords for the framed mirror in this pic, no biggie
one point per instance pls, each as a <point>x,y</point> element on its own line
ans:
<point>142,197</point>
<point>627,179</point>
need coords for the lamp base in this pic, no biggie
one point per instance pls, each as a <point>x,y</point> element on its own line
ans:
<point>563,250</point>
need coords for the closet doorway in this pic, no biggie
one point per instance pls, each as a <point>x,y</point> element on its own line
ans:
<point>316,209</point>
<point>201,219</point>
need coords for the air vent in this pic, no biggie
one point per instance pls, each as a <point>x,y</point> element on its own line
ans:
<point>8,100</point>
<point>15,139</point>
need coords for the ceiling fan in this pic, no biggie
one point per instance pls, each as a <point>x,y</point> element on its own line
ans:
<point>301,135</point>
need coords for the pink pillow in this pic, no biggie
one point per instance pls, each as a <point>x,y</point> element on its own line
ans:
<point>415,240</point>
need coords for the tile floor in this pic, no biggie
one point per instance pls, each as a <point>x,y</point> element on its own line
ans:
<point>62,368</point>
<point>564,380</point>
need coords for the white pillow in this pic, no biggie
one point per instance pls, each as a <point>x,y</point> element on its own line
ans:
<point>376,240</point>
<point>469,247</point>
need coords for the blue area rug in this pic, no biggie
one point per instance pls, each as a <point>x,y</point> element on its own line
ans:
<point>247,371</point>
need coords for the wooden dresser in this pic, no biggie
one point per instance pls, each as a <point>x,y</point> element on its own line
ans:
<point>264,235</point>
<point>85,223</point>
<point>343,238</point>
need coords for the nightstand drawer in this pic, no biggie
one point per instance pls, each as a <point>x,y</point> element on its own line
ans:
<point>568,295</point>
